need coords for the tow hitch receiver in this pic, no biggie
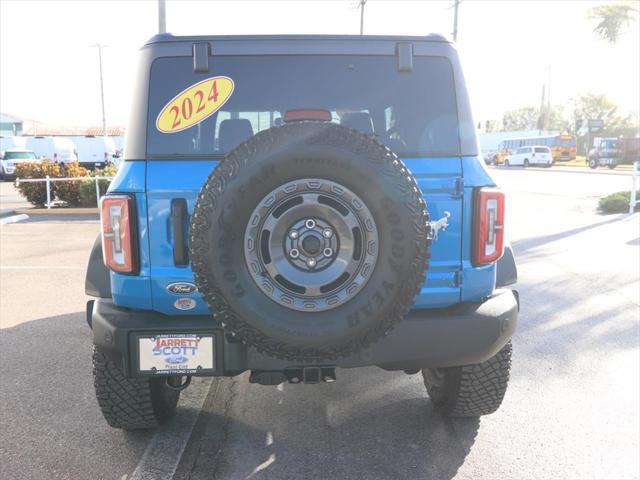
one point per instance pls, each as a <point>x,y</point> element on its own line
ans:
<point>294,375</point>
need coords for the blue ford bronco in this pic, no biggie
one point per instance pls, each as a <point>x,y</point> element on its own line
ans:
<point>288,205</point>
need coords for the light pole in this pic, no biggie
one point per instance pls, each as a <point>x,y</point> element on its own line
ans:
<point>104,119</point>
<point>362,4</point>
<point>548,69</point>
<point>455,19</point>
<point>162,18</point>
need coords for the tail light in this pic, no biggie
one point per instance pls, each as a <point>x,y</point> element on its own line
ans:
<point>119,247</point>
<point>489,226</point>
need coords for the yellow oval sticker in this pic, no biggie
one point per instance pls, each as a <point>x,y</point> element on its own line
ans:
<point>194,104</point>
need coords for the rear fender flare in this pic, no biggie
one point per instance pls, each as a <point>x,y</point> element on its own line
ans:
<point>506,270</point>
<point>98,280</point>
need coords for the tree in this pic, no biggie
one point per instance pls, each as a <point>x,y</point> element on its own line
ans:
<point>556,119</point>
<point>529,118</point>
<point>524,118</point>
<point>594,106</point>
<point>490,125</point>
<point>612,18</point>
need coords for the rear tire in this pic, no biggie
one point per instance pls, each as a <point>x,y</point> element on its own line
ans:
<point>472,390</point>
<point>507,164</point>
<point>131,403</point>
<point>526,163</point>
<point>593,163</point>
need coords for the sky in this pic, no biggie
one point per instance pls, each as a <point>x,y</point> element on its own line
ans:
<point>49,71</point>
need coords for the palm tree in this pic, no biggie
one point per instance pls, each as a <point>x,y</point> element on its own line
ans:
<point>612,18</point>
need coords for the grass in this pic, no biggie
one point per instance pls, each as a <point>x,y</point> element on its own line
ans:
<point>617,202</point>
<point>580,161</point>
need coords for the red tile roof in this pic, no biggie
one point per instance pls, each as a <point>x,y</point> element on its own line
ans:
<point>48,130</point>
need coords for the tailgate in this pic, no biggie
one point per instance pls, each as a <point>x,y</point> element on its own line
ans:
<point>167,181</point>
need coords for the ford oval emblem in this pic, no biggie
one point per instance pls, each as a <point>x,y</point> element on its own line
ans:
<point>176,359</point>
<point>181,288</point>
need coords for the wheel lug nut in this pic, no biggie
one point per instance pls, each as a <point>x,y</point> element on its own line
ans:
<point>294,253</point>
<point>310,224</point>
<point>327,233</point>
<point>311,263</point>
<point>293,234</point>
<point>327,252</point>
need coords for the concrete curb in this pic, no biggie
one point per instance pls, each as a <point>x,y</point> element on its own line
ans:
<point>6,212</point>
<point>573,165</point>
<point>58,211</point>
<point>13,219</point>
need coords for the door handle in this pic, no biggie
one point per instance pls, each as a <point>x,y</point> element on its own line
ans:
<point>179,216</point>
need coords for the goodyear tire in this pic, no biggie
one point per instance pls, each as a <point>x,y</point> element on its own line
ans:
<point>471,390</point>
<point>309,241</point>
<point>131,403</point>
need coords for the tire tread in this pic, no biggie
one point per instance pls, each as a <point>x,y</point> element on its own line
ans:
<point>381,158</point>
<point>130,403</point>
<point>474,390</point>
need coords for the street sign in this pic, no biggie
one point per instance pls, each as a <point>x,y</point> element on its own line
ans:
<point>582,127</point>
<point>595,125</point>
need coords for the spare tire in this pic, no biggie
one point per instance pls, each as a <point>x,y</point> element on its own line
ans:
<point>309,241</point>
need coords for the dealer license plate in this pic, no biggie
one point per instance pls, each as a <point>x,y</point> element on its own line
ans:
<point>175,354</point>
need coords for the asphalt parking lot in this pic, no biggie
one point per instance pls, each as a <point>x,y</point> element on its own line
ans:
<point>571,411</point>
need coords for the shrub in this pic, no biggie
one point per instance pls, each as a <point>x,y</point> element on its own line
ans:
<point>36,193</point>
<point>617,202</point>
<point>88,187</point>
<point>69,192</point>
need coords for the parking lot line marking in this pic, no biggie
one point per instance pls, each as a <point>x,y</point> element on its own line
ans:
<point>162,456</point>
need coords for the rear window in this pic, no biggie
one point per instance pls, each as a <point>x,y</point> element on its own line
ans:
<point>542,150</point>
<point>413,113</point>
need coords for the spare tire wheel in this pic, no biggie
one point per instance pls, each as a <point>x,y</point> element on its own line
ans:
<point>310,241</point>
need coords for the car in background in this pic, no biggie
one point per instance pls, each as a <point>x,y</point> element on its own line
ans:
<point>56,149</point>
<point>489,156</point>
<point>10,157</point>
<point>525,156</point>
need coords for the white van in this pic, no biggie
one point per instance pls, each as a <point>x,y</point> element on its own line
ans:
<point>56,149</point>
<point>7,143</point>
<point>525,156</point>
<point>94,152</point>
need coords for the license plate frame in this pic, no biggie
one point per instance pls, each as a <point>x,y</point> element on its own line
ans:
<point>176,354</point>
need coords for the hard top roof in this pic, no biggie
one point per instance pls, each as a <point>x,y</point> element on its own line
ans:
<point>169,38</point>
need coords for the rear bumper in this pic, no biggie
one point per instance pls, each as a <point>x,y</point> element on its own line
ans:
<point>464,334</point>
